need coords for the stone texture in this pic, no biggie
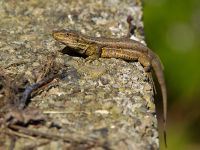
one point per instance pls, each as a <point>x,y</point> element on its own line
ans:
<point>105,104</point>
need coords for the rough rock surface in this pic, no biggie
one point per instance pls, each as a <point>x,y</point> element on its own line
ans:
<point>104,104</point>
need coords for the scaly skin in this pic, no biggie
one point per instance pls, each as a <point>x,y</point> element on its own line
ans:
<point>123,48</point>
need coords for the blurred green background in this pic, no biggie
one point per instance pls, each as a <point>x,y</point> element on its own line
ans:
<point>172,29</point>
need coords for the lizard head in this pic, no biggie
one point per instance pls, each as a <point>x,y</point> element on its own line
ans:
<point>71,39</point>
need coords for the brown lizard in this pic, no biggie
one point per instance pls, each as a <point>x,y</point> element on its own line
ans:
<point>123,48</point>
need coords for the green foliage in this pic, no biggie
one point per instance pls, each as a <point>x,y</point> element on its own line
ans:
<point>172,29</point>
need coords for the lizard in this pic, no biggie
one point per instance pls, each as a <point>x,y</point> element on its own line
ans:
<point>123,48</point>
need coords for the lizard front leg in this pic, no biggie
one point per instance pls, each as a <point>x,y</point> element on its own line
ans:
<point>93,52</point>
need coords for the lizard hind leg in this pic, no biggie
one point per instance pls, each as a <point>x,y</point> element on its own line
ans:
<point>150,77</point>
<point>147,67</point>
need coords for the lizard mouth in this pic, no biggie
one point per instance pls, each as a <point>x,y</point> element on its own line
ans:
<point>57,35</point>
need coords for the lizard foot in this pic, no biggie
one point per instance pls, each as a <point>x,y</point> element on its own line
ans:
<point>90,59</point>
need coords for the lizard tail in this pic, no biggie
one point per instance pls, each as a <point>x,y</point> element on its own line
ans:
<point>158,69</point>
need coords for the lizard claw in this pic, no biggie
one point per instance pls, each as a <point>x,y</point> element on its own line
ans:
<point>90,59</point>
